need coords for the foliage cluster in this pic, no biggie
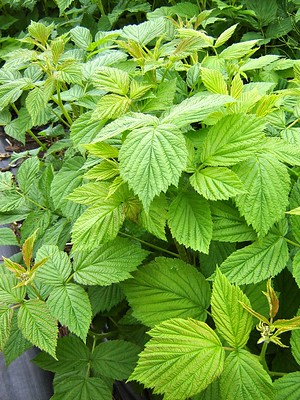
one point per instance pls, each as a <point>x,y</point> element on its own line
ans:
<point>167,173</point>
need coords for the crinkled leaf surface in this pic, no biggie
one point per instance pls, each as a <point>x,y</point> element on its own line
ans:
<point>152,159</point>
<point>245,378</point>
<point>182,358</point>
<point>6,314</point>
<point>232,321</point>
<point>80,388</point>
<point>288,387</point>
<point>190,221</point>
<point>167,288</point>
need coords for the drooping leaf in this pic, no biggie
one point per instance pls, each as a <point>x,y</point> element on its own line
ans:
<point>151,159</point>
<point>231,140</point>
<point>115,359</point>
<point>232,321</point>
<point>288,387</point>
<point>216,183</point>
<point>267,185</point>
<point>70,304</point>
<point>194,109</point>
<point>167,288</point>
<point>154,221</point>
<point>103,298</point>
<point>182,359</point>
<point>16,344</point>
<point>109,263</point>
<point>56,269</point>
<point>245,378</point>
<point>37,325</point>
<point>258,261</point>
<point>190,221</point>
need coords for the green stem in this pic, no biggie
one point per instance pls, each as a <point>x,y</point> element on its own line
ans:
<point>293,123</point>
<point>291,242</point>
<point>102,335</point>
<point>262,356</point>
<point>31,201</point>
<point>36,292</point>
<point>228,348</point>
<point>60,104</point>
<point>153,246</point>
<point>36,139</point>
<point>271,373</point>
<point>101,8</point>
<point>61,119</point>
<point>70,278</point>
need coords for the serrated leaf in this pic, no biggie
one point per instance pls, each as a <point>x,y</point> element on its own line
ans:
<point>6,181</point>
<point>238,50</point>
<point>232,321</point>
<point>231,140</point>
<point>164,97</point>
<point>27,173</point>
<point>63,4</point>
<point>81,36</point>
<point>245,378</point>
<point>112,80</point>
<point>85,129</point>
<point>70,72</point>
<point>7,237</point>
<point>267,183</point>
<point>296,268</point>
<point>56,269</point>
<point>16,343</point>
<point>295,343</point>
<point>145,32</point>
<point>258,261</point>
<point>167,288</point>
<point>64,182</point>
<point>35,103</point>
<point>294,203</point>
<point>37,325</point>
<point>283,151</point>
<point>111,106</point>
<point>103,298</point>
<point>115,359</point>
<point>190,221</point>
<point>228,225</point>
<point>111,262</point>
<point>258,63</point>
<point>71,306</point>
<point>6,314</point>
<point>40,31</point>
<point>194,109</point>
<point>152,159</point>
<point>106,169</point>
<point>216,183</point>
<point>93,193</point>
<point>288,387</point>
<point>80,388</point>
<point>226,35</point>
<point>214,81</point>
<point>72,355</point>
<point>182,359</point>
<point>9,293</point>
<point>17,127</point>
<point>154,221</point>
<point>11,91</point>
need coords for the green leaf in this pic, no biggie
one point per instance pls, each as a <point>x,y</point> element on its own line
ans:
<point>214,81</point>
<point>245,378</point>
<point>294,203</point>
<point>56,269</point>
<point>267,183</point>
<point>72,355</point>
<point>17,127</point>
<point>216,183</point>
<point>37,325</point>
<point>11,91</point>
<point>164,97</point>
<point>258,63</point>
<point>109,263</point>
<point>167,288</point>
<point>6,181</point>
<point>111,106</point>
<point>226,35</point>
<point>64,182</point>
<point>63,4</point>
<point>35,103</point>
<point>288,387</point>
<point>115,359</point>
<point>152,159</point>
<point>190,221</point>
<point>81,37</point>
<point>112,80</point>
<point>6,314</point>
<point>40,31</point>
<point>232,321</point>
<point>7,237</point>
<point>9,293</point>
<point>145,32</point>
<point>16,344</point>
<point>194,109</point>
<point>84,129</point>
<point>228,225</point>
<point>238,50</point>
<point>296,268</point>
<point>182,359</point>
<point>231,140</point>
<point>69,72</point>
<point>154,221</point>
<point>80,388</point>
<point>258,261</point>
<point>295,343</point>
<point>27,173</point>
<point>103,298</point>
<point>71,306</point>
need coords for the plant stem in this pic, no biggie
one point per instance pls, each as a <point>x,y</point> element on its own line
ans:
<point>153,246</point>
<point>36,139</point>
<point>60,104</point>
<point>293,123</point>
<point>272,373</point>
<point>291,242</point>
<point>262,356</point>
<point>36,292</point>
<point>228,348</point>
